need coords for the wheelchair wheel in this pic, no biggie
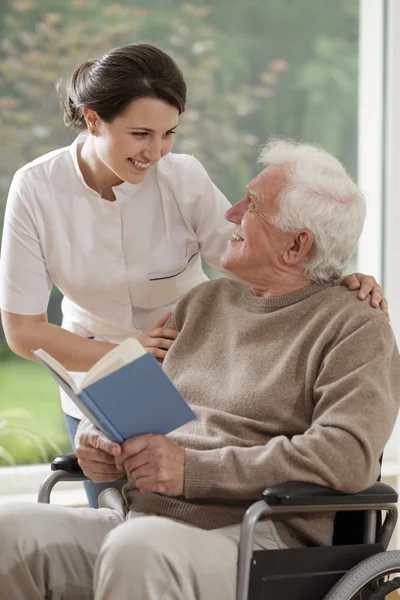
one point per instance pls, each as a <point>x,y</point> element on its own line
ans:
<point>369,580</point>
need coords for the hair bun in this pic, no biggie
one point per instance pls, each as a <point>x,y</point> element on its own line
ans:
<point>111,83</point>
<point>72,104</point>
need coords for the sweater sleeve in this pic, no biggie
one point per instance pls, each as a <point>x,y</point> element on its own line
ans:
<point>356,401</point>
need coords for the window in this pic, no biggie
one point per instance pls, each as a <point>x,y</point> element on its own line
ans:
<point>255,69</point>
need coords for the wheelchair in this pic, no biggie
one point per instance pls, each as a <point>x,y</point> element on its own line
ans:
<point>356,567</point>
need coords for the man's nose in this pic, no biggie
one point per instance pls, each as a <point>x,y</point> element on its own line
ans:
<point>236,212</point>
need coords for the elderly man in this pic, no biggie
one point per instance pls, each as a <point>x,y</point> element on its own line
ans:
<point>291,378</point>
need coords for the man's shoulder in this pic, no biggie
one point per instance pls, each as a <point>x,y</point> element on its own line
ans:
<point>341,297</point>
<point>346,311</point>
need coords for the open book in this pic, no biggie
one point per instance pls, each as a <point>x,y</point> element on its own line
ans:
<point>125,394</point>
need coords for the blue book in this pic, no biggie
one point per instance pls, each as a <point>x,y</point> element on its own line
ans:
<point>125,394</point>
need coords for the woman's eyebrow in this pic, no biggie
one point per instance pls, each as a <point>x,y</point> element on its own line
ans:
<point>152,130</point>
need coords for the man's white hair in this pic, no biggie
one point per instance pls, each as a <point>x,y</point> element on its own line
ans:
<point>320,196</point>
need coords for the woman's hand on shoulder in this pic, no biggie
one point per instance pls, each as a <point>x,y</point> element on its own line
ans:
<point>159,340</point>
<point>366,284</point>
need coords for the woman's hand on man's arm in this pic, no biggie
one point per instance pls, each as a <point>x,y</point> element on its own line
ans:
<point>159,340</point>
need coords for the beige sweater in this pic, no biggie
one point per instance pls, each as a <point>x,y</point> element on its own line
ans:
<point>302,387</point>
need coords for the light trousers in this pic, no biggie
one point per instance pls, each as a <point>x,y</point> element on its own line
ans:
<point>57,553</point>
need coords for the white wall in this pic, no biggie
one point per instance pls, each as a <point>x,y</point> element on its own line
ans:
<point>370,132</point>
<point>379,156</point>
<point>391,222</point>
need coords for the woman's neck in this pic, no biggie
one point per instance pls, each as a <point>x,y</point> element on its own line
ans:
<point>95,173</point>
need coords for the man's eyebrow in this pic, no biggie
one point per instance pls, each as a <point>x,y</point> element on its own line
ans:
<point>253,193</point>
<point>152,130</point>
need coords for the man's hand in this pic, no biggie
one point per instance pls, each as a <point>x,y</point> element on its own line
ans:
<point>366,284</point>
<point>159,340</point>
<point>156,462</point>
<point>96,453</point>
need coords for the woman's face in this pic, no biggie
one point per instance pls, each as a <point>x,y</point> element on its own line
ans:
<point>136,139</point>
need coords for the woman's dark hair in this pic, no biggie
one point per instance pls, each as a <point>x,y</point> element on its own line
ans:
<point>108,85</point>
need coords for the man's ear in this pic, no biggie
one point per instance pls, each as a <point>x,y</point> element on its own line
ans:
<point>299,247</point>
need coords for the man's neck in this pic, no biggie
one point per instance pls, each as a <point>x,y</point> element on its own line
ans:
<point>285,283</point>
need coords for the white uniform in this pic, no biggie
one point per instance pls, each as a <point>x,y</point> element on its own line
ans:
<point>119,265</point>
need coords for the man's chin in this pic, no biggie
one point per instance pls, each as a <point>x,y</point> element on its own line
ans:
<point>228,262</point>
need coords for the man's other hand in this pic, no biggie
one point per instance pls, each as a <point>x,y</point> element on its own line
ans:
<point>156,462</point>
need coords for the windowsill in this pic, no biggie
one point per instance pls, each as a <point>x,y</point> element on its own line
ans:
<point>390,468</point>
<point>22,483</point>
<point>73,498</point>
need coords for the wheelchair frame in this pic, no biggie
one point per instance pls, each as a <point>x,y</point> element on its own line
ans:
<point>288,498</point>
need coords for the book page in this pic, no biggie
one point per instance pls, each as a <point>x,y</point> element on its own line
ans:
<point>128,351</point>
<point>57,367</point>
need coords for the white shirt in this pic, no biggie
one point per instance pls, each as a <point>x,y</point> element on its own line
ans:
<point>120,265</point>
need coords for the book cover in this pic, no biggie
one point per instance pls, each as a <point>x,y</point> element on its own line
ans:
<point>136,399</point>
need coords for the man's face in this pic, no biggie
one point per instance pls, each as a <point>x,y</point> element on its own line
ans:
<point>256,249</point>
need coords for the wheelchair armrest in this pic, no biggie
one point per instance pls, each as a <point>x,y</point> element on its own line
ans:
<point>66,462</point>
<point>298,493</point>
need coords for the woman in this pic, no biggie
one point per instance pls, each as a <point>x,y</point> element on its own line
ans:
<point>115,221</point>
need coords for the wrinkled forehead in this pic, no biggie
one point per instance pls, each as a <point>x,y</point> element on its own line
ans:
<point>267,185</point>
